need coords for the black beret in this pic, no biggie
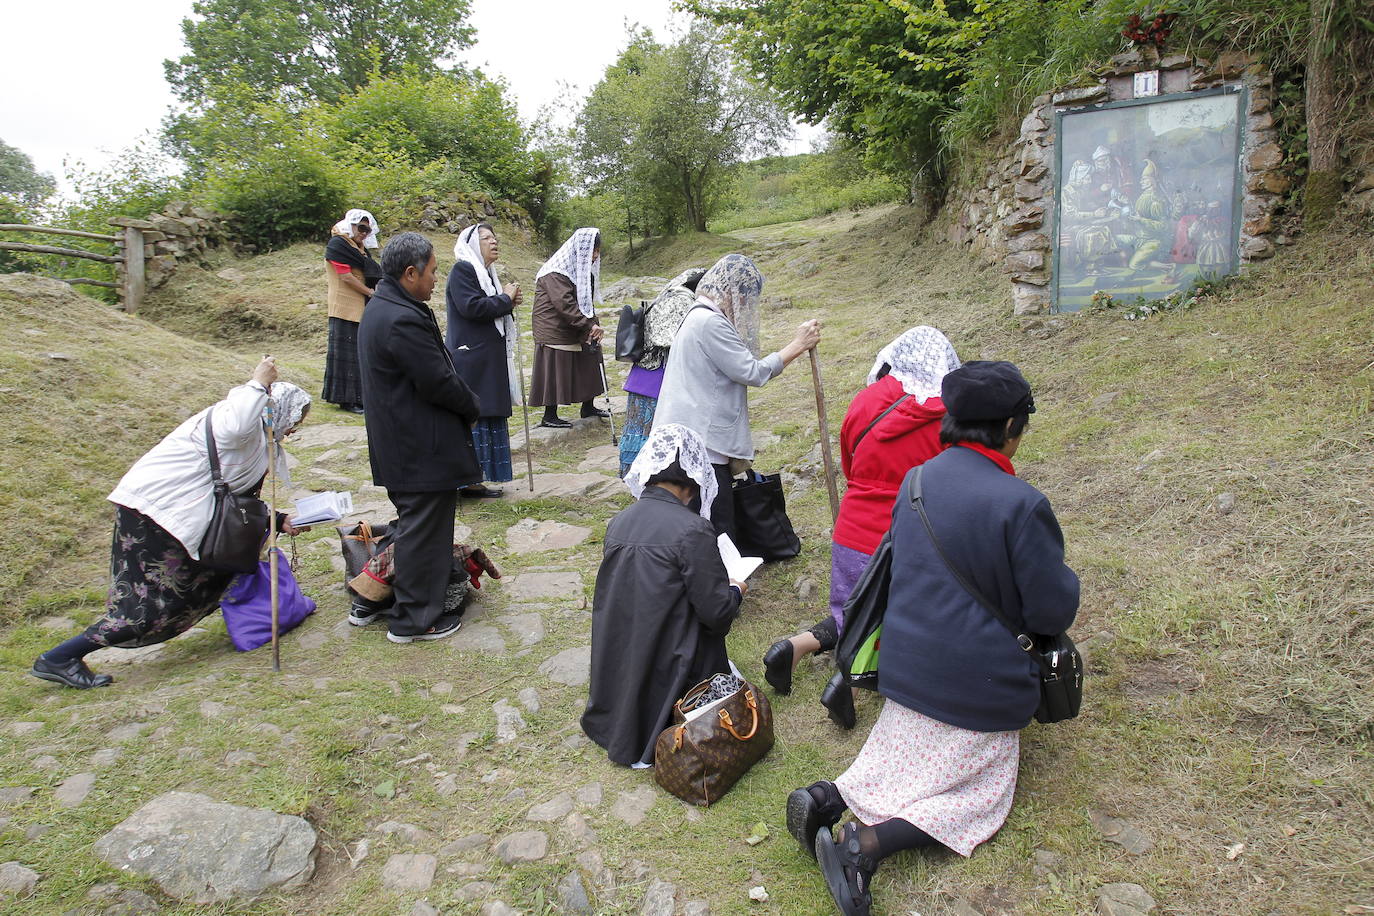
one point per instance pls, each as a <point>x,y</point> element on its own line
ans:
<point>985,390</point>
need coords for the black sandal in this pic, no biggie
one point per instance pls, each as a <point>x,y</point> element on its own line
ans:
<point>806,816</point>
<point>847,871</point>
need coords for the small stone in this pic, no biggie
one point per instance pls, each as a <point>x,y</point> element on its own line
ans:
<point>571,667</point>
<point>1046,861</point>
<point>16,880</point>
<point>21,729</point>
<point>696,908</point>
<point>529,698</point>
<point>526,846</point>
<point>14,795</point>
<point>211,709</point>
<point>555,808</point>
<point>535,586</point>
<point>632,807</point>
<point>1105,398</point>
<point>581,832</point>
<point>659,900</point>
<point>463,844</point>
<point>589,796</point>
<point>60,357</point>
<point>241,759</point>
<point>475,890</point>
<point>758,894</point>
<point>575,741</point>
<point>45,762</point>
<point>57,623</point>
<point>74,789</point>
<point>1121,833</point>
<point>105,756</point>
<point>406,833</point>
<point>1149,459</point>
<point>34,831</point>
<point>466,869</point>
<point>498,908</point>
<point>125,900</point>
<point>482,638</point>
<point>441,689</point>
<point>509,722</point>
<point>528,628</point>
<point>806,588</point>
<point>1123,900</point>
<point>573,895</point>
<point>423,908</point>
<point>1226,503</point>
<point>406,872</point>
<point>446,786</point>
<point>530,536</point>
<point>514,795</point>
<point>232,274</point>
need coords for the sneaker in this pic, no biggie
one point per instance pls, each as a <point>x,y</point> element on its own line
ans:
<point>72,674</point>
<point>443,627</point>
<point>555,423</point>
<point>360,615</point>
<point>596,412</point>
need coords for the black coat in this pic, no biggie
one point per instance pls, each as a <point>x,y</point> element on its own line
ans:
<point>419,413</point>
<point>943,654</point>
<point>662,608</point>
<point>477,348</point>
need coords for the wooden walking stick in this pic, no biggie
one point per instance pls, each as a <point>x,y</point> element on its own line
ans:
<point>524,404</point>
<point>272,555</point>
<point>826,457</point>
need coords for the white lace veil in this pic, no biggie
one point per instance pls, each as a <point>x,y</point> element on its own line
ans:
<point>920,359</point>
<point>666,444</point>
<point>574,261</point>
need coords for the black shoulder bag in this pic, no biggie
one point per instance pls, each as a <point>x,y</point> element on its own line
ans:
<point>238,524</point>
<point>629,333</point>
<point>1061,667</point>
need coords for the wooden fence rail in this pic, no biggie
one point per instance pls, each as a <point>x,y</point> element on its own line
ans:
<point>128,260</point>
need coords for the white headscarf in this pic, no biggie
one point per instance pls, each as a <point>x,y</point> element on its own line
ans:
<point>666,444</point>
<point>289,403</point>
<point>574,261</point>
<point>353,218</point>
<point>469,248</point>
<point>920,358</point>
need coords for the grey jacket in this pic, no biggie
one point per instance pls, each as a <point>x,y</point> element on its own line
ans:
<point>704,382</point>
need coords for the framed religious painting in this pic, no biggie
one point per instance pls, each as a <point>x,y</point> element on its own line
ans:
<point>1147,195</point>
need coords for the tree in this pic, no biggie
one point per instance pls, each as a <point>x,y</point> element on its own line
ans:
<point>667,124</point>
<point>295,50</point>
<point>20,180</point>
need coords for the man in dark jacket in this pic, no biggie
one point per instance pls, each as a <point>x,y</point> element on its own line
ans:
<point>419,436</point>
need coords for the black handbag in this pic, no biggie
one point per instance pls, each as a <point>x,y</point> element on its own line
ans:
<point>629,333</point>
<point>1061,667</point>
<point>761,521</point>
<point>238,524</point>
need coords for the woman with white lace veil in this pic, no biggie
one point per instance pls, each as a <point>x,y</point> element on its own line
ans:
<point>481,339</point>
<point>663,603</point>
<point>567,334</point>
<point>891,426</point>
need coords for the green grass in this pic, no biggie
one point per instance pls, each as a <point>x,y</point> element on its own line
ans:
<point>1229,699</point>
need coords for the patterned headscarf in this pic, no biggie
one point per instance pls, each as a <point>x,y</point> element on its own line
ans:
<point>574,261</point>
<point>665,317</point>
<point>920,358</point>
<point>291,402</point>
<point>351,219</point>
<point>666,444</point>
<point>735,285</point>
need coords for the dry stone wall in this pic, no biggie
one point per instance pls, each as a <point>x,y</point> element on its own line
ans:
<point>179,233</point>
<point>1008,218</point>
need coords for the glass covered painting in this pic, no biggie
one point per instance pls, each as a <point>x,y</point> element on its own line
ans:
<point>1147,196</point>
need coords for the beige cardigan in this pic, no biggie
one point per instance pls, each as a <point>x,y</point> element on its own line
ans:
<point>344,301</point>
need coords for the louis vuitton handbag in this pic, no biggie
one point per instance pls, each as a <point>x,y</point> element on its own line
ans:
<point>721,728</point>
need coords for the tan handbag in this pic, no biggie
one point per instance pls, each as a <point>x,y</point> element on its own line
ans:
<point>722,727</point>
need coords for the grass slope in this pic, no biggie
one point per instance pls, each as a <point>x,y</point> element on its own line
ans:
<point>1211,470</point>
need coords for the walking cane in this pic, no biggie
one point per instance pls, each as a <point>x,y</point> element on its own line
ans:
<point>272,526</point>
<point>524,404</point>
<point>826,457</point>
<point>606,389</point>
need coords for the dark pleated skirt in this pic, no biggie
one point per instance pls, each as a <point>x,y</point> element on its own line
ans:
<point>156,590</point>
<point>343,380</point>
<point>639,422</point>
<point>565,377</point>
<point>491,440</point>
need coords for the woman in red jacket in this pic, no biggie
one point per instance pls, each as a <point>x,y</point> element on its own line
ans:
<point>891,426</point>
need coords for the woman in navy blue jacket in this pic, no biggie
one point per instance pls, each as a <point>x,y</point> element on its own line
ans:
<point>481,339</point>
<point>939,767</point>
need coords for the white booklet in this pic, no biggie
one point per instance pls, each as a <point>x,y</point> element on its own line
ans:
<point>319,508</point>
<point>736,567</point>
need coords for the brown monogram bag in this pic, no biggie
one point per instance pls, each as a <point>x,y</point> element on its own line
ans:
<point>698,759</point>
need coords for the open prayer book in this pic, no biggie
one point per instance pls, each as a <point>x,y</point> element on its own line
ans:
<point>736,567</point>
<point>322,507</point>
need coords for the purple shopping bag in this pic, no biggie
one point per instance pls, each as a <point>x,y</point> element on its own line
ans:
<point>247,604</point>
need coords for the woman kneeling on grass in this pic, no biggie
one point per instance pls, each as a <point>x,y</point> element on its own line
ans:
<point>939,767</point>
<point>663,600</point>
<point>163,505</point>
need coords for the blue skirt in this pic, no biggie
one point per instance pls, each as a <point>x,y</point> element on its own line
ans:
<point>639,422</point>
<point>491,439</point>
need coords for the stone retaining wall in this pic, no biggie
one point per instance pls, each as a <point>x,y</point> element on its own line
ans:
<point>179,233</point>
<point>1008,218</point>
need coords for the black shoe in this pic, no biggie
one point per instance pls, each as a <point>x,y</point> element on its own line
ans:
<point>446,625</point>
<point>838,699</point>
<point>595,412</point>
<point>72,674</point>
<point>806,816</point>
<point>847,871</point>
<point>480,492</point>
<point>555,423</point>
<point>355,408</point>
<point>777,666</point>
<point>360,615</point>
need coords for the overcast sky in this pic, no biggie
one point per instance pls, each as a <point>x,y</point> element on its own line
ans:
<point>85,78</point>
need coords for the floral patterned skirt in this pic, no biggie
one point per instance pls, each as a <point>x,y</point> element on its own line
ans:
<point>157,591</point>
<point>955,784</point>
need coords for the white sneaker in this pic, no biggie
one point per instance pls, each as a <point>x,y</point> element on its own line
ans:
<point>444,626</point>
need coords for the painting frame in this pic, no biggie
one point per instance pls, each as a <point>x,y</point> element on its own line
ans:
<point>1230,200</point>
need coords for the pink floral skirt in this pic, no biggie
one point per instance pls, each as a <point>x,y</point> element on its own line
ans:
<point>955,784</point>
